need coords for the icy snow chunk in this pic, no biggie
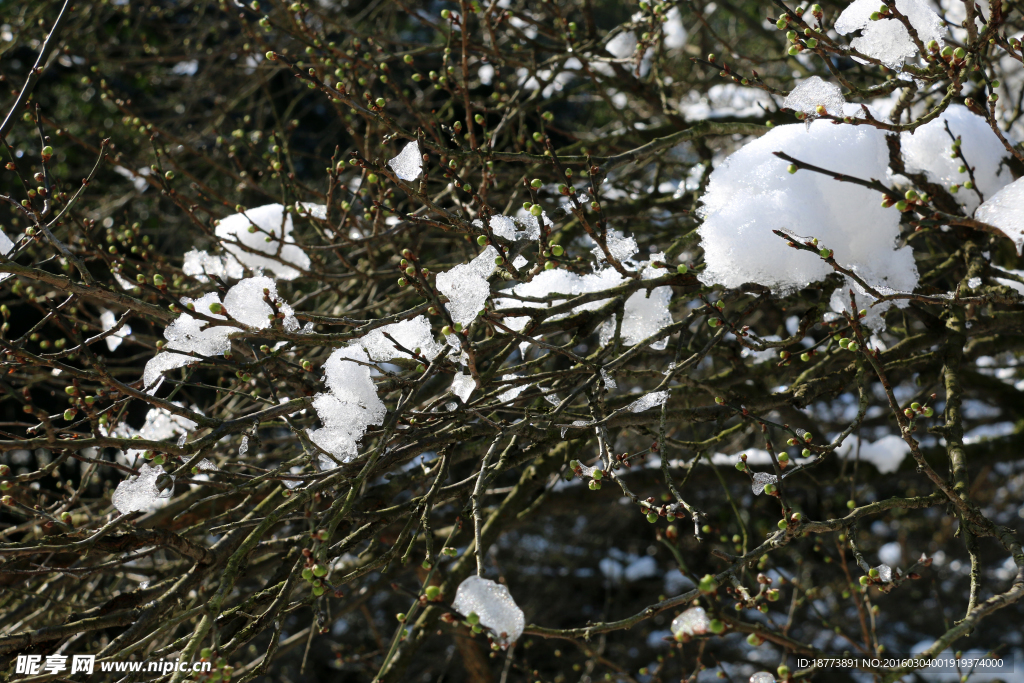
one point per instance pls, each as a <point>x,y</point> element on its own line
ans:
<point>202,265</point>
<point>619,246</point>
<point>762,677</point>
<point>280,255</point>
<point>928,150</point>
<point>752,193</point>
<point>762,479</point>
<point>466,286</point>
<point>520,227</point>
<point>888,40</point>
<point>647,402</point>
<point>243,448</point>
<point>513,392</point>
<point>1005,210</point>
<point>494,605</point>
<point>206,466</point>
<point>812,92</point>
<point>245,303</point>
<point>886,454</point>
<point>108,320</point>
<point>692,622</point>
<point>519,261</point>
<point>348,408</point>
<point>891,553</point>
<point>190,335</point>
<point>610,383</point>
<point>408,165</point>
<point>884,573</point>
<point>139,493</point>
<point>463,385</point>
<point>311,209</point>
<point>412,334</point>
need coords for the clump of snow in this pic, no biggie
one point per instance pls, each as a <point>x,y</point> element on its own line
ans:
<point>466,286</point>
<point>886,454</point>
<point>887,39</point>
<point>762,677</point>
<point>752,193</point>
<point>812,92</point>
<point>189,335</point>
<point>494,605</point>
<point>280,254</point>
<point>928,150</point>
<point>692,622</point>
<point>139,493</point>
<point>408,165</point>
<point>348,407</point>
<point>108,320</point>
<point>202,265</point>
<point>1005,210</point>
<point>412,334</point>
<point>245,302</point>
<point>884,573</point>
<point>620,246</point>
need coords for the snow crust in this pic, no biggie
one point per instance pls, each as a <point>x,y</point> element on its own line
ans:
<point>187,334</point>
<point>494,605</point>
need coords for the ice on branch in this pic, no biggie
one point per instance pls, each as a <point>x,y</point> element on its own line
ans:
<point>692,622</point>
<point>466,286</point>
<point>813,92</point>
<point>886,454</point>
<point>246,236</point>
<point>762,479</point>
<point>348,407</point>
<point>411,334</point>
<point>140,493</point>
<point>929,148</point>
<point>762,677</point>
<point>189,335</point>
<point>1005,210</point>
<point>647,402</point>
<point>202,266</point>
<point>108,320</point>
<point>513,392</point>
<point>408,165</point>
<point>753,193</point>
<point>493,604</point>
<point>463,385</point>
<point>245,302</point>
<point>887,39</point>
<point>884,573</point>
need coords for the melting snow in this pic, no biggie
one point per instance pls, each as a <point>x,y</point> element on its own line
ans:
<point>813,91</point>
<point>692,622</point>
<point>1005,210</point>
<point>280,255</point>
